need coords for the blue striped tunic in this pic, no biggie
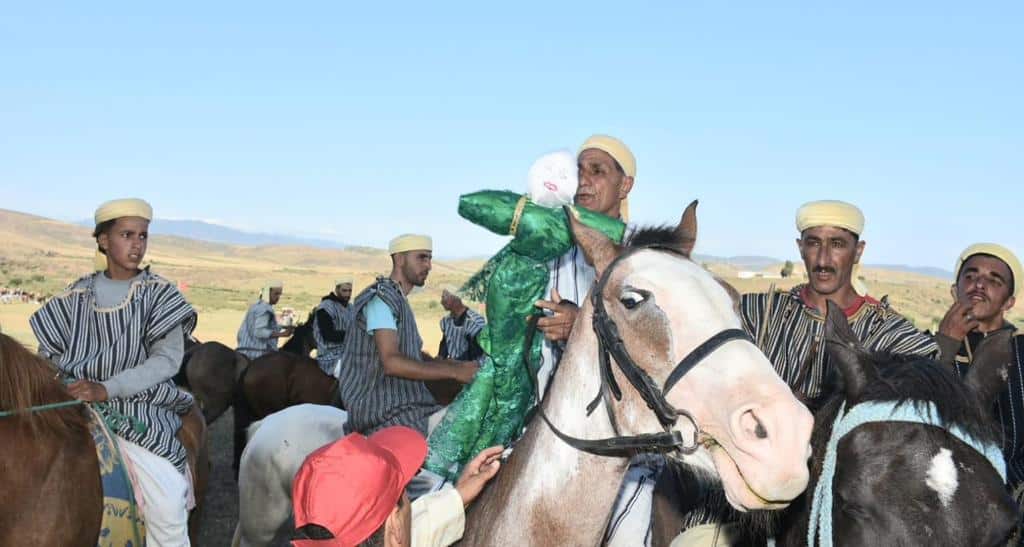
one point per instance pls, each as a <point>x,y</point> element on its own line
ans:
<point>87,342</point>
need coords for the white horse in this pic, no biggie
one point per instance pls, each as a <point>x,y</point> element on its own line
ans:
<point>276,448</point>
<point>753,434</point>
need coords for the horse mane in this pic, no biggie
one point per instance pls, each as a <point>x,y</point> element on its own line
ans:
<point>902,379</point>
<point>663,235</point>
<point>27,380</point>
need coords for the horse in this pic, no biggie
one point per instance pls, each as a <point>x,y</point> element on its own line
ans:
<point>210,371</point>
<point>278,380</point>
<point>895,482</point>
<point>49,470</point>
<point>740,421</point>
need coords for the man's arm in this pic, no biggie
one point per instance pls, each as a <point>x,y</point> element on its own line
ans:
<point>395,363</point>
<point>325,323</point>
<point>163,363</point>
<point>439,518</point>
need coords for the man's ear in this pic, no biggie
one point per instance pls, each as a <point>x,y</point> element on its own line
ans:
<point>860,251</point>
<point>1009,304</point>
<point>625,187</point>
<point>103,240</point>
<point>952,291</point>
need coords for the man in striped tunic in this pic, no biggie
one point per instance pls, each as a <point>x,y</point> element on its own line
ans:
<point>118,335</point>
<point>988,281</point>
<point>606,169</point>
<point>789,326</point>
<point>382,370</point>
<point>259,331</point>
<point>459,330</point>
<point>331,323</point>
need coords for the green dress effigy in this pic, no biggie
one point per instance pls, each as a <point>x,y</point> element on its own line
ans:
<point>490,411</point>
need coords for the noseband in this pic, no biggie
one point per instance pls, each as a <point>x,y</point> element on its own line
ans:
<point>611,346</point>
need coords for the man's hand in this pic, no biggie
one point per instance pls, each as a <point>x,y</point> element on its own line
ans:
<point>84,390</point>
<point>958,321</point>
<point>557,327</point>
<point>478,472</point>
<point>464,371</point>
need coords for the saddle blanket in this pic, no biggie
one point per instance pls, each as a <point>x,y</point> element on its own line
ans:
<point>122,524</point>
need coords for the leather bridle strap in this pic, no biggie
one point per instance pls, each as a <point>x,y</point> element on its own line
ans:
<point>667,441</point>
<point>701,352</point>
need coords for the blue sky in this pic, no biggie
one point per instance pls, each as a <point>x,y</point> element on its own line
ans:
<point>358,122</point>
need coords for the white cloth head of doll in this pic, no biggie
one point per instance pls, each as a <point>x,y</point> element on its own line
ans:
<point>553,179</point>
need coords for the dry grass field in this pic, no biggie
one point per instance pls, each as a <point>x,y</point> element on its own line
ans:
<point>43,256</point>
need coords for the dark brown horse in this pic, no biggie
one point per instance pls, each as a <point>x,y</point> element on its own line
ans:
<point>278,380</point>
<point>895,482</point>
<point>49,473</point>
<point>210,371</point>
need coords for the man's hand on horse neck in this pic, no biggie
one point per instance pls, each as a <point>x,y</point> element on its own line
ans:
<point>478,472</point>
<point>397,364</point>
<point>557,327</point>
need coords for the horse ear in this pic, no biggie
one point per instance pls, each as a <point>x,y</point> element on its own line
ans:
<point>846,352</point>
<point>686,231</point>
<point>986,376</point>
<point>597,248</point>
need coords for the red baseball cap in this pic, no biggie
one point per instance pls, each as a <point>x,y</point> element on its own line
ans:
<point>351,485</point>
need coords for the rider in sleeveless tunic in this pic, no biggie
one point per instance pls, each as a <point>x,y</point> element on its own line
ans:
<point>118,336</point>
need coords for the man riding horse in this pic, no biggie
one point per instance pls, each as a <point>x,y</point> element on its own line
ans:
<point>260,331</point>
<point>332,320</point>
<point>118,335</point>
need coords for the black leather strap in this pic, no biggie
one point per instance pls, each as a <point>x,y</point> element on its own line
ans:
<point>701,352</point>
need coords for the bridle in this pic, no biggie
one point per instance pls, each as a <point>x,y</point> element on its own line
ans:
<point>611,346</point>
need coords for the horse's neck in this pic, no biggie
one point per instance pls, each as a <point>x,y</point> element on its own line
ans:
<point>551,493</point>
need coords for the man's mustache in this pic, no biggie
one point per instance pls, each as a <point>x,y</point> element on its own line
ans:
<point>824,269</point>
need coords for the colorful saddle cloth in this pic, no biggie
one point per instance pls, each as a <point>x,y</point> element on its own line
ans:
<point>122,524</point>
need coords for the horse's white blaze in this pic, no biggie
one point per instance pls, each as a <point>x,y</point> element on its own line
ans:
<point>942,476</point>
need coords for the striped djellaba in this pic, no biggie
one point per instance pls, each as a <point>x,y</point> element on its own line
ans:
<point>90,343</point>
<point>373,399</point>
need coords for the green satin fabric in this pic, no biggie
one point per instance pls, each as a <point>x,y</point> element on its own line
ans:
<point>490,411</point>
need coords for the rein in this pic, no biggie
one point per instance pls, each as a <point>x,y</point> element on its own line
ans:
<point>611,345</point>
<point>820,523</point>
<point>39,408</point>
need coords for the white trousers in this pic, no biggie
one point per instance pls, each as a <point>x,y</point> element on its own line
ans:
<point>162,491</point>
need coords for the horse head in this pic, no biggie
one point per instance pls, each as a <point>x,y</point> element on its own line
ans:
<point>903,481</point>
<point>749,429</point>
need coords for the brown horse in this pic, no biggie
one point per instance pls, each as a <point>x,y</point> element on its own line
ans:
<point>210,371</point>
<point>278,380</point>
<point>49,471</point>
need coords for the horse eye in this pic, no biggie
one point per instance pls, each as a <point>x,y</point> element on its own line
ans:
<point>631,298</point>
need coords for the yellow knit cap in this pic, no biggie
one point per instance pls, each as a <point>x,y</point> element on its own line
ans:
<point>117,208</point>
<point>830,213</point>
<point>346,280</point>
<point>410,242</point>
<point>615,148</point>
<point>1000,252</point>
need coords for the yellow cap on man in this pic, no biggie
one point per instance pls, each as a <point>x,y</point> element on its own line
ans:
<point>1000,252</point>
<point>830,213</point>
<point>620,153</point>
<point>410,242</point>
<point>115,209</point>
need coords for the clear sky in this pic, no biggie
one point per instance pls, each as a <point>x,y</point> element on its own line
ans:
<point>360,120</point>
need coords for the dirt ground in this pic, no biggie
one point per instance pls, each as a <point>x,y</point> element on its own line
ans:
<point>220,507</point>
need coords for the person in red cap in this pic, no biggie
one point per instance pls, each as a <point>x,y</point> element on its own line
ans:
<point>352,493</point>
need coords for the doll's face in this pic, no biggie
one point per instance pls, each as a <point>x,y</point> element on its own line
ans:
<point>552,179</point>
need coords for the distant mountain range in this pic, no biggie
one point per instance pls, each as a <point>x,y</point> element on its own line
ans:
<point>206,231</point>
